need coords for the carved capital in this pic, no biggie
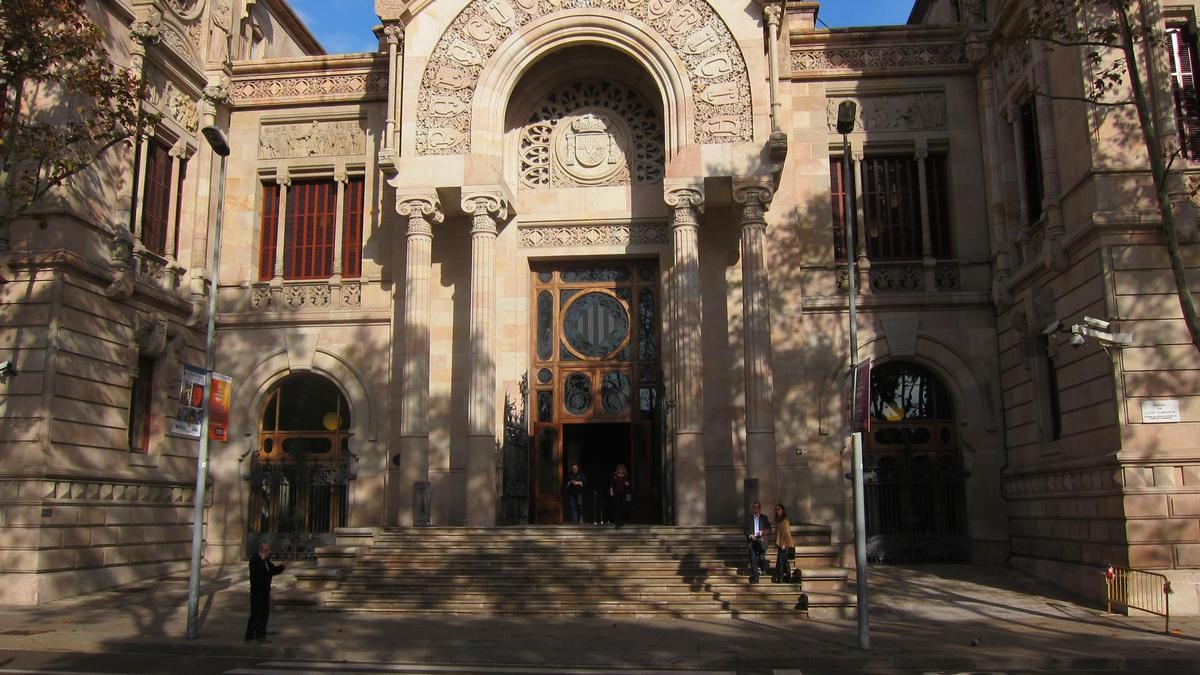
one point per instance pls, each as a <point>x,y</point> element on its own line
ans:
<point>422,212</point>
<point>772,12</point>
<point>921,153</point>
<point>684,196</point>
<point>393,33</point>
<point>486,209</point>
<point>217,91</point>
<point>340,177</point>
<point>182,150</point>
<point>147,30</point>
<point>755,198</point>
<point>150,332</point>
<point>283,180</point>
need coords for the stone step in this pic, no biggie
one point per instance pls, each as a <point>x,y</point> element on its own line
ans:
<point>620,612</point>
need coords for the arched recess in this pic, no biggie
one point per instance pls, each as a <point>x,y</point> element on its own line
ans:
<point>550,33</point>
<point>276,365</point>
<point>929,352</point>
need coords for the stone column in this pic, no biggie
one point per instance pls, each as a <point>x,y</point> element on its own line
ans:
<point>180,153</point>
<point>687,202</point>
<point>140,202</point>
<point>394,35</point>
<point>761,462</point>
<point>860,217</point>
<point>283,181</point>
<point>928,262</point>
<point>421,210</point>
<point>487,210</point>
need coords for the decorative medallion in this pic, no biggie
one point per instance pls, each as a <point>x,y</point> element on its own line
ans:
<point>589,133</point>
<point>701,41</point>
<point>577,393</point>
<point>595,325</point>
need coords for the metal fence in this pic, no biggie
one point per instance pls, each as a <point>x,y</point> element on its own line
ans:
<point>1150,592</point>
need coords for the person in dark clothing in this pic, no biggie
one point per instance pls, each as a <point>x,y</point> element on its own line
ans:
<point>575,483</point>
<point>261,571</point>
<point>757,532</point>
<point>620,493</point>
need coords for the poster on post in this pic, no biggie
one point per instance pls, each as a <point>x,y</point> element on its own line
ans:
<point>186,422</point>
<point>856,400</point>
<point>218,407</point>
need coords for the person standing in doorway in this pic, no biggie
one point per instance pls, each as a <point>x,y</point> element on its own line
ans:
<point>261,571</point>
<point>620,495</point>
<point>575,484</point>
<point>783,545</point>
<point>757,531</point>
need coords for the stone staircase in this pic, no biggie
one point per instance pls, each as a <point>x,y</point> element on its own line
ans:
<point>568,570</point>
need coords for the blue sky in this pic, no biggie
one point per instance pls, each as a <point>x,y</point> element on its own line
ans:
<point>344,26</point>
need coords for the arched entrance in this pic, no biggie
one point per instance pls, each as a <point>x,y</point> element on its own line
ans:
<point>913,460</point>
<point>300,472</point>
<point>596,384</point>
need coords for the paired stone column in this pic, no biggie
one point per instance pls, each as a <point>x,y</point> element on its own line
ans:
<point>687,202</point>
<point>761,464</point>
<point>393,34</point>
<point>421,210</point>
<point>487,209</point>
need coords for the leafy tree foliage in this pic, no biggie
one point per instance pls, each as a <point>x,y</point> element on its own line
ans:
<point>64,103</point>
<point>1119,39</point>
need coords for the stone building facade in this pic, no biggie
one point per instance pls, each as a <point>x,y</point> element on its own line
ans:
<point>529,233</point>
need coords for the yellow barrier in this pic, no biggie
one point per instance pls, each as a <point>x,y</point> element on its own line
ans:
<point>1149,592</point>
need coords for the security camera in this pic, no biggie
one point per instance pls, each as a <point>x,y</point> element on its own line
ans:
<point>1052,328</point>
<point>8,369</point>
<point>1077,340</point>
<point>1098,324</point>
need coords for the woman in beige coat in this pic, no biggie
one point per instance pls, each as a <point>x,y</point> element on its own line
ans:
<point>783,542</point>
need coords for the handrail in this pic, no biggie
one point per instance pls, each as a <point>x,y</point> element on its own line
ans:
<point>1149,592</point>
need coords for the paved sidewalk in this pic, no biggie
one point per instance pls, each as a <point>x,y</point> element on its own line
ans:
<point>929,618</point>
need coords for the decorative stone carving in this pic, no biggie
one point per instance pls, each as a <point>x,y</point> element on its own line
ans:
<point>311,295</point>
<point>587,133</point>
<point>903,112</point>
<point>593,235</point>
<point>150,332</point>
<point>893,57</point>
<point>701,40</point>
<point>355,86</point>
<point>316,139</point>
<point>1011,64</point>
<point>171,102</point>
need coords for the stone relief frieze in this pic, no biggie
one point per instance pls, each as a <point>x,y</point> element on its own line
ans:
<point>171,102</point>
<point>592,132</point>
<point>899,112</point>
<point>875,58</point>
<point>593,235</point>
<point>359,85</point>
<point>313,139</point>
<point>702,42</point>
<point>1011,64</point>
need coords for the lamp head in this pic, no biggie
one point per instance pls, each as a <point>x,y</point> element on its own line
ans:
<point>847,110</point>
<point>217,140</point>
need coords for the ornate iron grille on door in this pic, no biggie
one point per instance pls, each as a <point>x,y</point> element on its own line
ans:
<point>596,360</point>
<point>301,471</point>
<point>914,489</point>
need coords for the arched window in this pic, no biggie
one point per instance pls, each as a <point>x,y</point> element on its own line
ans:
<point>300,473</point>
<point>914,486</point>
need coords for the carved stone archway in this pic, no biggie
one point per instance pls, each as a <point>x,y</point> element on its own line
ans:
<point>684,45</point>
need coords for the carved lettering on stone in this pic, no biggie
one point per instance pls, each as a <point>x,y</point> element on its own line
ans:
<point>699,38</point>
<point>714,66</point>
<point>315,139</point>
<point>899,112</point>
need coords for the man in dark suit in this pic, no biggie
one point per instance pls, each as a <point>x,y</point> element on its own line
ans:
<point>758,532</point>
<point>261,571</point>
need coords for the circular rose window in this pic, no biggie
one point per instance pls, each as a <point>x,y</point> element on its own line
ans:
<point>595,325</point>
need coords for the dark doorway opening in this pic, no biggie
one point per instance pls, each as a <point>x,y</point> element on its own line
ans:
<point>597,449</point>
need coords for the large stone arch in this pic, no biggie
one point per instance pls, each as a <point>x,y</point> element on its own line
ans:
<point>276,365</point>
<point>685,45</point>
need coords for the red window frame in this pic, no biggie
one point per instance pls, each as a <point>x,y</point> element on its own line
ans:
<point>310,224</point>
<point>140,398</point>
<point>156,199</point>
<point>891,205</point>
<point>837,192</point>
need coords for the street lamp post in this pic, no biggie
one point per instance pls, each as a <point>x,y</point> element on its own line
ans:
<point>847,112</point>
<point>220,145</point>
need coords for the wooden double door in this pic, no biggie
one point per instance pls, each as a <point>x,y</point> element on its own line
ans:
<point>596,384</point>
